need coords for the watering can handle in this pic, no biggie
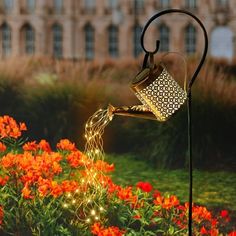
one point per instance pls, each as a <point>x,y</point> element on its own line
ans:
<point>148,53</point>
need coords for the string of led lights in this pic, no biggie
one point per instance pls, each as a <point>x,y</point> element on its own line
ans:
<point>86,201</point>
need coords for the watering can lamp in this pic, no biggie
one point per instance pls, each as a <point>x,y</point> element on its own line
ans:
<point>160,94</point>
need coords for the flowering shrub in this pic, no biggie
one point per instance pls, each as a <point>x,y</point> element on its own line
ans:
<point>63,192</point>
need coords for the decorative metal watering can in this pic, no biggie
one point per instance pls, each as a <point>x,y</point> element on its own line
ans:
<point>157,90</point>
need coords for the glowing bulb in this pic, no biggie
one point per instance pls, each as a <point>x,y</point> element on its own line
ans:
<point>101,209</point>
<point>88,220</point>
<point>96,151</point>
<point>77,190</point>
<point>68,195</point>
<point>89,200</point>
<point>96,218</point>
<point>73,201</point>
<point>65,205</point>
<point>93,212</point>
<point>82,180</point>
<point>91,123</point>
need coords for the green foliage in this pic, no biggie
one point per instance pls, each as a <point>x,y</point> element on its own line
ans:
<point>213,189</point>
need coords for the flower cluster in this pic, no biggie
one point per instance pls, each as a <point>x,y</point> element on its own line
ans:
<point>73,192</point>
<point>10,128</point>
<point>99,230</point>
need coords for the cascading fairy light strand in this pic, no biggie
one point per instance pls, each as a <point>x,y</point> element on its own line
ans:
<point>94,130</point>
<point>89,201</point>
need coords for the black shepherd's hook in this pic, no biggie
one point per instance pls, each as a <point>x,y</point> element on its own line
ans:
<point>158,41</point>
<point>190,83</point>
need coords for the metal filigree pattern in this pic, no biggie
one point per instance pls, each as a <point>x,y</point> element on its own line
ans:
<point>163,96</point>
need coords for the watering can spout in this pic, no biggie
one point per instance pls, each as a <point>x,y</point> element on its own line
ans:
<point>138,111</point>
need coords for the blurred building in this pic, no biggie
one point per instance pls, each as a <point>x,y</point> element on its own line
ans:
<point>100,29</point>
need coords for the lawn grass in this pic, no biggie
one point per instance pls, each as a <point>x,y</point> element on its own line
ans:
<point>216,190</point>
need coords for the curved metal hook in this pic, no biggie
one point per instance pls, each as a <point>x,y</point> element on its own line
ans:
<point>158,42</point>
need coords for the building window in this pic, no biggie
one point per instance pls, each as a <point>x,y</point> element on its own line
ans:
<point>8,5</point>
<point>113,41</point>
<point>89,42</point>
<point>138,6</point>
<point>164,38</point>
<point>191,4</point>
<point>222,3</point>
<point>112,4</point>
<point>57,40</point>
<point>6,39</point>
<point>190,39</point>
<point>164,3</point>
<point>89,5</point>
<point>58,6</point>
<point>29,37</point>
<point>136,40</point>
<point>30,4</point>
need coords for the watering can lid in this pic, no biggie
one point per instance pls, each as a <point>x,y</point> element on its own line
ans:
<point>146,77</point>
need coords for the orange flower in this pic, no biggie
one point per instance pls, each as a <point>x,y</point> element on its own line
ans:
<point>44,145</point>
<point>26,192</point>
<point>8,160</point>
<point>30,146</point>
<point>69,186</point>
<point>75,159</point>
<point>56,189</point>
<point>10,128</point>
<point>2,147</point>
<point>99,230</point>
<point>66,145</point>
<point>56,168</point>
<point>170,202</point>
<point>104,166</point>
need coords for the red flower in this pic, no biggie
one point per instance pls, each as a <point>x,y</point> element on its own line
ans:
<point>2,147</point>
<point>225,215</point>
<point>144,186</point>
<point>233,233</point>
<point>4,180</point>
<point>137,217</point>
<point>1,214</point>
<point>203,231</point>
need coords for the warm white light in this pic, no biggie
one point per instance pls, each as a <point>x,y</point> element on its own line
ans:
<point>93,212</point>
<point>65,205</point>
<point>101,209</point>
<point>73,201</point>
<point>96,218</point>
<point>88,220</point>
